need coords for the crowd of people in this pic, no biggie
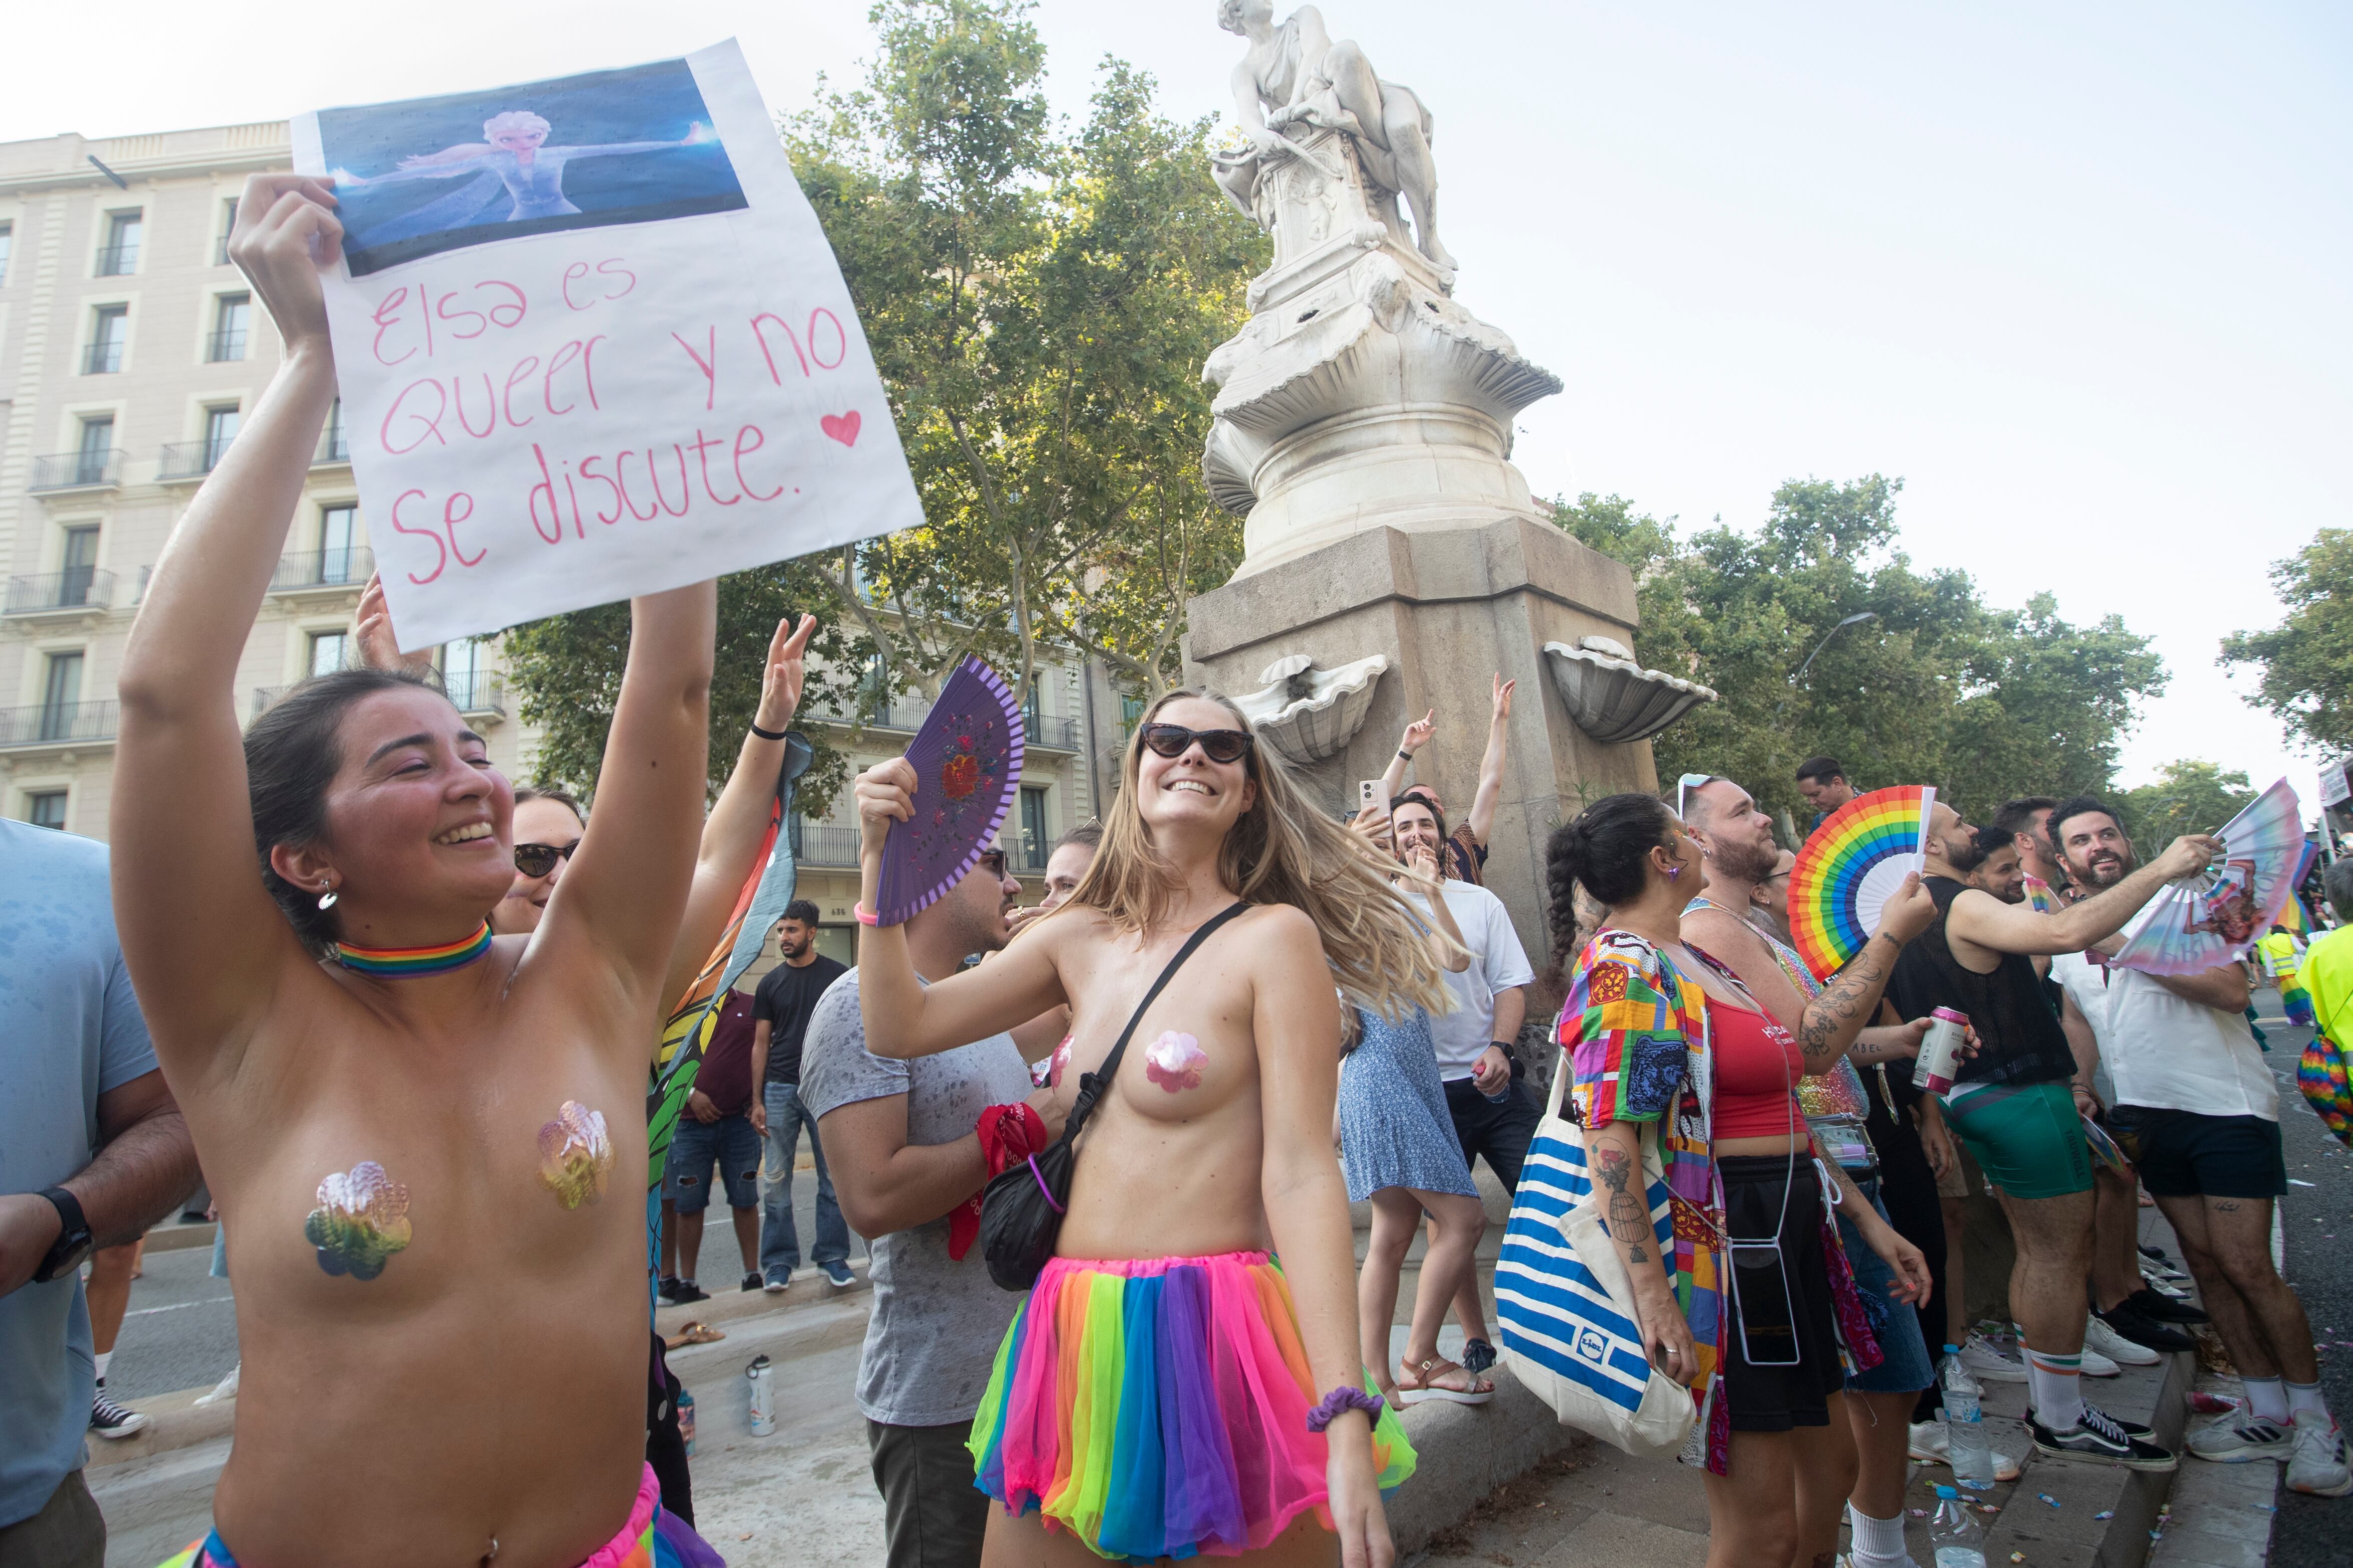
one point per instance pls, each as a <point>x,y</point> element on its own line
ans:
<point>403,1012</point>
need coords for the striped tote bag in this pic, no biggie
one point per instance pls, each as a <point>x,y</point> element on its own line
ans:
<point>1569,1329</point>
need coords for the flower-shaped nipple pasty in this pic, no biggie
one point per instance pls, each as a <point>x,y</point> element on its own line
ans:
<point>361,1221</point>
<point>574,1155</point>
<point>1175,1061</point>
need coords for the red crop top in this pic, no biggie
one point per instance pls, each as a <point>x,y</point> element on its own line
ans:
<point>1757,1065</point>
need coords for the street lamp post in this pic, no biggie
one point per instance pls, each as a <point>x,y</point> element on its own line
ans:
<point>1853,620</point>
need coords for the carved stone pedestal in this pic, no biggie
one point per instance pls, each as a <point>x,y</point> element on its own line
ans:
<point>1447,608</point>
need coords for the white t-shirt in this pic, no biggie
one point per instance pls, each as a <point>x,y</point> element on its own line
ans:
<point>1497,964</point>
<point>2166,1051</point>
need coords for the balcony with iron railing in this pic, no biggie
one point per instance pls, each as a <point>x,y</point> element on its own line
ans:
<point>477,694</point>
<point>58,724</point>
<point>103,357</point>
<point>189,460</point>
<point>1049,732</point>
<point>323,569</point>
<point>118,260</point>
<point>97,470</point>
<point>335,445</point>
<point>814,844</point>
<point>75,588</point>
<point>1046,731</point>
<point>225,344</point>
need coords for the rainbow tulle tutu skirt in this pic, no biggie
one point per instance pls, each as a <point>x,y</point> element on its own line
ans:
<point>1157,1407</point>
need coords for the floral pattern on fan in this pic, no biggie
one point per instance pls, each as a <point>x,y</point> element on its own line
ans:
<point>967,762</point>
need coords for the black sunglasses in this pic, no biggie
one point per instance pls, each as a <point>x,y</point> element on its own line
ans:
<point>1218,745</point>
<point>539,860</point>
<point>993,862</point>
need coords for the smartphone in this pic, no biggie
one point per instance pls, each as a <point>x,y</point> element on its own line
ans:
<point>1368,794</point>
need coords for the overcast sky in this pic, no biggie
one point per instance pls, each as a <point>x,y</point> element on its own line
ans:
<point>2081,274</point>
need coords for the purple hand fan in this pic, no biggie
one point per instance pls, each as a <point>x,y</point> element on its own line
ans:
<point>967,762</point>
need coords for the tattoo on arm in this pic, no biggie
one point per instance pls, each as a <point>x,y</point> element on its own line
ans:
<point>1852,993</point>
<point>1629,1220</point>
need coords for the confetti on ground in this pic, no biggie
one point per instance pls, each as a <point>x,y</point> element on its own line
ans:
<point>2046,1497</point>
<point>1919,1513</point>
<point>2017,1557</point>
<point>2106,1513</point>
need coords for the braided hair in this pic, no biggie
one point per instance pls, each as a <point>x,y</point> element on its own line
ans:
<point>1604,852</point>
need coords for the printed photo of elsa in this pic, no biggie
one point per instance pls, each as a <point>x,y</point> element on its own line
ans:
<point>432,175</point>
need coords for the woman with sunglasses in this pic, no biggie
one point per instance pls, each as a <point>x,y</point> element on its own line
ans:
<point>1749,1256</point>
<point>1168,1387</point>
<point>408,1121</point>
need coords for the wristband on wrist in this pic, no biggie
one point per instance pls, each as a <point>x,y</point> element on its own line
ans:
<point>1339,1402</point>
<point>768,735</point>
<point>1404,756</point>
<point>866,917</point>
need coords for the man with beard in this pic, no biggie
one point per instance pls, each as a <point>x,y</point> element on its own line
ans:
<point>2200,1111</point>
<point>1999,870</point>
<point>908,1157</point>
<point>2012,1106</point>
<point>2026,820</point>
<point>781,1009</point>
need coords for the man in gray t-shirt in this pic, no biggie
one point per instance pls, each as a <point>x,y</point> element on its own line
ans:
<point>901,1137</point>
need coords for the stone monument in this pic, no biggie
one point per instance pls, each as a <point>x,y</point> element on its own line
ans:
<point>1392,556</point>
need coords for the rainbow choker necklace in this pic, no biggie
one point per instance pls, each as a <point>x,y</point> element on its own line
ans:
<point>391,962</point>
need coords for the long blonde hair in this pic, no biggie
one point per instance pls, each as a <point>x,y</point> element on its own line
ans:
<point>1280,851</point>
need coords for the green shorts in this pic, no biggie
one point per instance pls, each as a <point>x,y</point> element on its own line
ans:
<point>2028,1137</point>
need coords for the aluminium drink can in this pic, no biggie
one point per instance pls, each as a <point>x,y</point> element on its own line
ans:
<point>1940,1052</point>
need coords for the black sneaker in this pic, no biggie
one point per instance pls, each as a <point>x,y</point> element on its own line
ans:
<point>686,1291</point>
<point>109,1419</point>
<point>1478,1355</point>
<point>2101,1437</point>
<point>2165,1264</point>
<point>2128,1320</point>
<point>751,1282</point>
<point>2164,1308</point>
<point>667,1289</point>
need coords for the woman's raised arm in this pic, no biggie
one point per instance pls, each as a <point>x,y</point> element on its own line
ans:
<point>198,930</point>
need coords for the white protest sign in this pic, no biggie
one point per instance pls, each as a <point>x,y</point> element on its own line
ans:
<point>591,342</point>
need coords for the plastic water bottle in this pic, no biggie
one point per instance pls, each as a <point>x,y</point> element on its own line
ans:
<point>1954,1535</point>
<point>763,1378</point>
<point>1968,1448</point>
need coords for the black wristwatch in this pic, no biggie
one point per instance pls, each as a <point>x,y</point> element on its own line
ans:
<point>73,1237</point>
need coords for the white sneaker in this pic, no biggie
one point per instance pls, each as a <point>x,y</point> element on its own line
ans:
<point>2098,1336</point>
<point>2239,1440</point>
<point>1931,1444</point>
<point>2318,1466</point>
<point>1984,1361</point>
<point>2095,1364</point>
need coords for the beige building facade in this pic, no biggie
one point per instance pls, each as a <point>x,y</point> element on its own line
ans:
<point>130,351</point>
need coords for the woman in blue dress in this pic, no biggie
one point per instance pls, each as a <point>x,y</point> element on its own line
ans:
<point>513,159</point>
<point>1398,1149</point>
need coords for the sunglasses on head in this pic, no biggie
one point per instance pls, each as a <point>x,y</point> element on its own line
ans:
<point>1688,783</point>
<point>1218,745</point>
<point>539,860</point>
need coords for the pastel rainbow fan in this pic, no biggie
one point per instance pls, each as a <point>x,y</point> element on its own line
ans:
<point>1849,868</point>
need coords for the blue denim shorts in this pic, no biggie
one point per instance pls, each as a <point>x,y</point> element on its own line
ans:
<point>730,1144</point>
<point>1893,1324</point>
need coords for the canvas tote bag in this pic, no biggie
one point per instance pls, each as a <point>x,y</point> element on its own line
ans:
<point>1570,1333</point>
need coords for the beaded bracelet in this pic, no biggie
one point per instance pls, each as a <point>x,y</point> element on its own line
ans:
<point>1339,1402</point>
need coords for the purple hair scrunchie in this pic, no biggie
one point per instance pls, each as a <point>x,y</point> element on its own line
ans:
<point>1340,1401</point>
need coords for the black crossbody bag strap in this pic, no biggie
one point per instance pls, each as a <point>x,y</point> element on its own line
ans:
<point>1092,1085</point>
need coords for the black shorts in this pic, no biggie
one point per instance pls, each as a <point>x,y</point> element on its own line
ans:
<point>1777,1398</point>
<point>2183,1154</point>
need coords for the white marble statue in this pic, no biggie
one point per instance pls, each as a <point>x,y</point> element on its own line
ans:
<point>1298,72</point>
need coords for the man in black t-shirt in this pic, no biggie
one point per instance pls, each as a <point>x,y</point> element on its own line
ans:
<point>780,1015</point>
<point>2012,1105</point>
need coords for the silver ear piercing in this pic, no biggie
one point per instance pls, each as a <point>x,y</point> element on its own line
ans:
<point>326,894</point>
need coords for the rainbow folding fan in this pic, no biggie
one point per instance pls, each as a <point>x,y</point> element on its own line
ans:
<point>2209,919</point>
<point>1847,870</point>
<point>967,760</point>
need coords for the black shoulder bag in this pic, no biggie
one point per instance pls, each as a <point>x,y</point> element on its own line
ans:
<point>1021,1208</point>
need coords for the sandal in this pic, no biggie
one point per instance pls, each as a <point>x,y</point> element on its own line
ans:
<point>696,1332</point>
<point>1474,1389</point>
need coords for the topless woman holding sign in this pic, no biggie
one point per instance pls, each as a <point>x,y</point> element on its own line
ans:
<point>409,1122</point>
<point>1159,1393</point>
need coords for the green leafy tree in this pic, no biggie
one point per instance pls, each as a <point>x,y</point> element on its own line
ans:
<point>2186,796</point>
<point>2306,661</point>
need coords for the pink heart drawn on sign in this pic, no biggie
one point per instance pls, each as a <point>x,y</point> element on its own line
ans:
<point>842,427</point>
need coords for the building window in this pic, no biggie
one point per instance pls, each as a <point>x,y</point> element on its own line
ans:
<point>1034,844</point>
<point>109,329</point>
<point>336,442</point>
<point>46,808</point>
<point>464,675</point>
<point>60,696</point>
<point>80,565</point>
<point>327,650</point>
<point>230,316</point>
<point>220,429</point>
<point>336,525</point>
<point>7,237</point>
<point>97,451</point>
<point>1131,713</point>
<point>119,255</point>
<point>228,226</point>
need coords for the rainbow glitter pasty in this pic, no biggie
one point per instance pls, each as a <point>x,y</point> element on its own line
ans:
<point>361,1221</point>
<point>574,1155</point>
<point>1175,1061</point>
